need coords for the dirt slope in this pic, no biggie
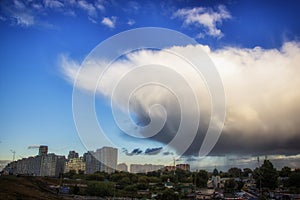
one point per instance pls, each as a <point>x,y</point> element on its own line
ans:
<point>12,187</point>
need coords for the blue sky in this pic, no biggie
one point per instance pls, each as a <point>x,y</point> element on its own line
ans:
<point>36,98</point>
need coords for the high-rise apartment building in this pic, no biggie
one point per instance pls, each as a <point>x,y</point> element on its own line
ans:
<point>104,160</point>
<point>73,154</point>
<point>43,150</point>
<point>41,165</point>
<point>52,165</point>
<point>92,165</point>
<point>108,159</point>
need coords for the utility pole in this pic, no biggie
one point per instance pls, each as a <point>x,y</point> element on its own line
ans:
<point>14,153</point>
<point>174,160</point>
<point>260,176</point>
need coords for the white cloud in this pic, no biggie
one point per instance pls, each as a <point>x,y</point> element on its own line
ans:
<point>131,22</point>
<point>23,19</point>
<point>205,17</point>
<point>2,18</point>
<point>110,22</point>
<point>88,7</point>
<point>261,86</point>
<point>100,5</point>
<point>69,67</point>
<point>71,2</point>
<point>262,90</point>
<point>37,6</point>
<point>29,13</point>
<point>19,5</point>
<point>70,13</point>
<point>18,13</point>
<point>54,4</point>
<point>92,20</point>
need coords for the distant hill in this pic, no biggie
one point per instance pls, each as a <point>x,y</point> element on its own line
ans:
<point>3,163</point>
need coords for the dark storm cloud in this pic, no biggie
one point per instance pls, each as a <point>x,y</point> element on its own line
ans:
<point>153,151</point>
<point>256,144</point>
<point>138,151</point>
<point>262,98</point>
<point>135,151</point>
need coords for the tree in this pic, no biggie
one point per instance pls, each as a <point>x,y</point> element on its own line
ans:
<point>123,182</point>
<point>70,174</point>
<point>95,177</point>
<point>133,178</point>
<point>101,189</point>
<point>131,188</point>
<point>143,179</point>
<point>229,186</point>
<point>168,194</point>
<point>294,179</point>
<point>247,171</point>
<point>215,172</point>
<point>154,173</point>
<point>76,189</point>
<point>285,172</point>
<point>223,174</point>
<point>181,175</point>
<point>118,176</point>
<point>266,175</point>
<point>153,179</point>
<point>201,178</point>
<point>240,185</point>
<point>235,172</point>
<point>168,177</point>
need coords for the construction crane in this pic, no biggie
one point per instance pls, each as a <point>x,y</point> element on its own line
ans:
<point>14,154</point>
<point>174,163</point>
<point>35,146</point>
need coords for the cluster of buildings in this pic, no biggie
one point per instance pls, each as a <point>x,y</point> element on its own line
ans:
<point>74,162</point>
<point>144,168</point>
<point>139,168</point>
<point>49,164</point>
<point>102,160</point>
<point>185,167</point>
<point>43,164</point>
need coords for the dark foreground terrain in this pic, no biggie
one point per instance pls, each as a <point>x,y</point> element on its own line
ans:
<point>12,187</point>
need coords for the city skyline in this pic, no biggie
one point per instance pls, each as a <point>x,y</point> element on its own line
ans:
<point>251,162</point>
<point>103,159</point>
<point>254,46</point>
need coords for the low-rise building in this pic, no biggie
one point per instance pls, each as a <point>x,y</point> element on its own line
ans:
<point>139,168</point>
<point>122,167</point>
<point>185,167</point>
<point>170,168</point>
